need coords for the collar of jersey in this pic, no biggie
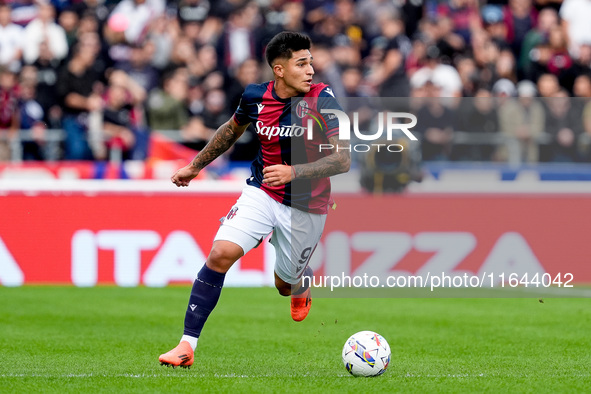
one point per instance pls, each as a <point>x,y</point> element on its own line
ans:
<point>283,100</point>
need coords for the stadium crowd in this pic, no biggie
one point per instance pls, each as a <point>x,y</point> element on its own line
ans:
<point>110,72</point>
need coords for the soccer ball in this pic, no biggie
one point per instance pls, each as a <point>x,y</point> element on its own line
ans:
<point>366,353</point>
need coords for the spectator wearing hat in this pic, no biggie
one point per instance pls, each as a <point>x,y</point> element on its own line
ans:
<point>493,22</point>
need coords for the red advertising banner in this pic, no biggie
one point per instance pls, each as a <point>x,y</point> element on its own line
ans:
<point>155,239</point>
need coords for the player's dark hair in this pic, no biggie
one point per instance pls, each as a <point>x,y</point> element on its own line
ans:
<point>284,44</point>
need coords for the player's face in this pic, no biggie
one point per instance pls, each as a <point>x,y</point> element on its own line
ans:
<point>298,72</point>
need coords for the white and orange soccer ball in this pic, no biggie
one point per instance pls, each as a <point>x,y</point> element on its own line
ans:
<point>366,353</point>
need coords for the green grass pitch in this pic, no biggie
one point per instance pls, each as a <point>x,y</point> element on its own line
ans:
<point>107,339</point>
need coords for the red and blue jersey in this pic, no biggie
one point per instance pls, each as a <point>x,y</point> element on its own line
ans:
<point>282,128</point>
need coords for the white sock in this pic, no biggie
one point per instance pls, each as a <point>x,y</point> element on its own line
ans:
<point>192,341</point>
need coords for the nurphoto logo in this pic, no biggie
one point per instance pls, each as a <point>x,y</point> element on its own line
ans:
<point>391,119</point>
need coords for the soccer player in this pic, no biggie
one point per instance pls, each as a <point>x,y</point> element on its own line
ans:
<point>288,192</point>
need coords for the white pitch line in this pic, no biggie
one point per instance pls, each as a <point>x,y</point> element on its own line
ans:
<point>191,376</point>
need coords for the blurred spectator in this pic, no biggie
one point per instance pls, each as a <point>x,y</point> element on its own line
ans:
<point>494,23</point>
<point>582,64</point>
<point>582,86</point>
<point>123,119</point>
<point>47,79</point>
<point>139,68</point>
<point>9,113</point>
<point>468,73</point>
<point>388,75</point>
<point>548,85</point>
<point>69,20</point>
<point>31,119</point>
<point>443,76</point>
<point>478,115</point>
<point>11,40</point>
<point>435,125</point>
<point>130,20</point>
<point>43,29</point>
<point>564,123</point>
<point>356,100</point>
<point>520,16</point>
<point>464,16</point>
<point>449,43</point>
<point>551,56</point>
<point>183,54</point>
<point>370,11</point>
<point>575,21</point>
<point>166,107</point>
<point>164,33</point>
<point>79,88</point>
<point>326,70</point>
<point>523,119</point>
<point>205,63</point>
<point>586,148</point>
<point>247,73</point>
<point>485,53</point>
<point>215,112</point>
<point>247,146</point>
<point>547,19</point>
<point>505,66</point>
<point>238,41</point>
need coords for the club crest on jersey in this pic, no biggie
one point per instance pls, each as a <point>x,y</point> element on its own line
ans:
<point>232,213</point>
<point>302,109</point>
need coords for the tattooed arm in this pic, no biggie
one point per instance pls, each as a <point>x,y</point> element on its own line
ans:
<point>222,140</point>
<point>337,162</point>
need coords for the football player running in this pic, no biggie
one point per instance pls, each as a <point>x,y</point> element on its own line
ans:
<point>287,194</point>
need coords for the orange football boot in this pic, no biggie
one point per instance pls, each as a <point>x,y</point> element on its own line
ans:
<point>300,305</point>
<point>180,356</point>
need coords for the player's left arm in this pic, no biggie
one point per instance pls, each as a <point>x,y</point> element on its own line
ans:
<point>338,162</point>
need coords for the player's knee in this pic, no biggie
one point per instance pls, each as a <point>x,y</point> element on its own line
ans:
<point>221,259</point>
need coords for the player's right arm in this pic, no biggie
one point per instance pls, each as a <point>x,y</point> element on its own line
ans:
<point>222,140</point>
